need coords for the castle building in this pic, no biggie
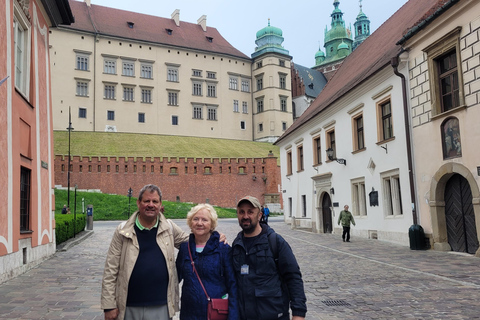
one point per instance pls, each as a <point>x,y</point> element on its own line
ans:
<point>122,71</point>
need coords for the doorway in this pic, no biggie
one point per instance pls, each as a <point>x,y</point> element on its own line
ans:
<point>327,213</point>
<point>460,216</point>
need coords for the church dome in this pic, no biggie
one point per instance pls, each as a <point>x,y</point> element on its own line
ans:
<point>342,45</point>
<point>319,54</point>
<point>269,30</point>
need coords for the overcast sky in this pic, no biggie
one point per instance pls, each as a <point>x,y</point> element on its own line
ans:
<point>303,22</point>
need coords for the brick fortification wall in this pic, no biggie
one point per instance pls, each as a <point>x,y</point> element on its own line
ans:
<point>221,182</point>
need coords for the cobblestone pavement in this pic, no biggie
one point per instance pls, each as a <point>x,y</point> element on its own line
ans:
<point>363,279</point>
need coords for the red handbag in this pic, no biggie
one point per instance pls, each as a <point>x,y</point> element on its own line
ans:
<point>217,308</point>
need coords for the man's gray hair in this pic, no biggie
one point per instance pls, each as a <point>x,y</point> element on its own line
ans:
<point>150,188</point>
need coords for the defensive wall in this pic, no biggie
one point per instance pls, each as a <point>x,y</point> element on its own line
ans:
<point>218,181</point>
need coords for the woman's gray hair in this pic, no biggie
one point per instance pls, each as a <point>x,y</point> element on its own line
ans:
<point>150,188</point>
<point>209,208</point>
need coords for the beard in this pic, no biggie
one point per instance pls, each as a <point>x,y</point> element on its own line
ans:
<point>248,226</point>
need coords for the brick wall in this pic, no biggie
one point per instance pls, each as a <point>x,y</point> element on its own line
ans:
<point>221,182</point>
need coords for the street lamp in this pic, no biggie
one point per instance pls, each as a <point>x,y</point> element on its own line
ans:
<point>75,212</point>
<point>129,195</point>
<point>331,158</point>
<point>68,170</point>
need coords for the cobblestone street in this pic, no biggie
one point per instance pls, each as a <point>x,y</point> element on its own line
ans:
<point>363,279</point>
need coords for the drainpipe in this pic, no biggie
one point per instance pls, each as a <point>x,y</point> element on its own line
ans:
<point>94,63</point>
<point>395,61</point>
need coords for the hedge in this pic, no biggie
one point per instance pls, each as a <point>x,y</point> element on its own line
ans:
<point>64,225</point>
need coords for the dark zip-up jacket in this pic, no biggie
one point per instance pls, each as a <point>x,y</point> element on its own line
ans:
<point>261,294</point>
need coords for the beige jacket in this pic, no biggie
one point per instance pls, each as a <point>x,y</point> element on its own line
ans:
<point>121,258</point>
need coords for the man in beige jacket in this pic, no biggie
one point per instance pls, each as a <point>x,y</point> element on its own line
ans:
<point>140,279</point>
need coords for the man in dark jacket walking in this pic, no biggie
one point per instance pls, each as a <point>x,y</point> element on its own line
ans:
<point>345,218</point>
<point>268,276</point>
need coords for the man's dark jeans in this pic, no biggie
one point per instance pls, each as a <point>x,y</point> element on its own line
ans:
<point>346,230</point>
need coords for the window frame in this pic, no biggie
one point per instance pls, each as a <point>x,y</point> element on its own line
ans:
<point>22,64</point>
<point>331,143</point>
<point>283,104</point>
<point>391,192</point>
<point>141,117</point>
<point>110,115</point>
<point>359,197</point>
<point>289,162</point>
<point>245,85</point>
<point>146,70</point>
<point>128,68</point>
<point>81,88</point>
<point>211,90</point>
<point>173,98</point>
<point>146,95</point>
<point>235,106</point>
<point>358,133</point>
<point>300,158</point>
<point>260,105</point>
<point>245,107</point>
<point>82,113</point>
<point>128,93</point>
<point>109,91</point>
<point>317,150</point>
<point>233,83</point>
<point>173,74</point>
<point>174,120</point>
<point>25,198</point>
<point>197,88</point>
<point>197,112</point>
<point>212,113</point>
<point>107,68</point>
<point>282,80</point>
<point>381,118</point>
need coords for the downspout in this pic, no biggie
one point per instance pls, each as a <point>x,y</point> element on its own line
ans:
<point>94,64</point>
<point>395,61</point>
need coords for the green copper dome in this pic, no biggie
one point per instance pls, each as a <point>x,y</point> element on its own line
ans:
<point>319,54</point>
<point>342,45</point>
<point>269,30</point>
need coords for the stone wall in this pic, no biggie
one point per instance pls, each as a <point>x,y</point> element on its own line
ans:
<point>221,182</point>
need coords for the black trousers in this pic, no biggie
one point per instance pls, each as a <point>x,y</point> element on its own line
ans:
<point>346,231</point>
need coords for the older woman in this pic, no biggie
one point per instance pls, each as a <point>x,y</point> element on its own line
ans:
<point>213,262</point>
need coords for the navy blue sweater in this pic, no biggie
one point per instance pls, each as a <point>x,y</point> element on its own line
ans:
<point>149,280</point>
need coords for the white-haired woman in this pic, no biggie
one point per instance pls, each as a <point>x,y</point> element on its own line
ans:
<point>213,262</point>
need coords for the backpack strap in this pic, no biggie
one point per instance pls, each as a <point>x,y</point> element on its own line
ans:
<point>272,242</point>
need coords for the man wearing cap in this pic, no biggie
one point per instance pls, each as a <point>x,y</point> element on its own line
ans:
<point>268,276</point>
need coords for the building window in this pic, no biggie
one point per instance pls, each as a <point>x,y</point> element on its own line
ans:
<point>359,197</point>
<point>235,105</point>
<point>146,95</point>
<point>82,113</point>
<point>212,113</point>
<point>260,127</point>
<point>141,117</point>
<point>110,115</point>
<point>172,98</point>
<point>197,89</point>
<point>110,66</point>
<point>207,170</point>
<point>283,104</point>
<point>290,207</point>
<point>211,90</point>
<point>233,83</point>
<point>331,142</point>
<point>385,124</point>
<point>82,61</point>
<point>289,162</point>
<point>245,85</point>
<point>304,205</point>
<point>172,74</point>
<point>392,198</point>
<point>281,63</point>
<point>300,158</point>
<point>359,139</point>
<point>259,83</point>
<point>284,126</point>
<point>451,142</point>
<point>259,105</point>
<point>283,81</point>
<point>146,70</point>
<point>259,64</point>
<point>197,112</point>
<point>128,68</point>
<point>197,73</point>
<point>242,125</point>
<point>244,106</point>
<point>109,92</point>
<point>25,180</point>
<point>445,73</point>
<point>173,170</point>
<point>211,75</point>
<point>82,88</point>
<point>174,120</point>
<point>317,151</point>
<point>127,94</point>
<point>22,51</point>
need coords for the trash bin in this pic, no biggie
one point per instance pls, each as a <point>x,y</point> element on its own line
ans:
<point>90,217</point>
<point>417,237</point>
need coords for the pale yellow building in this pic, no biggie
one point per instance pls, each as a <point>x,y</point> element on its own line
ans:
<point>121,71</point>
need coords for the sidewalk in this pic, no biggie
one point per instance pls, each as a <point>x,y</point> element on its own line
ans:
<point>363,279</point>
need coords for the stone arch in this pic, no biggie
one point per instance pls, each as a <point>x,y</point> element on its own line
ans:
<point>437,202</point>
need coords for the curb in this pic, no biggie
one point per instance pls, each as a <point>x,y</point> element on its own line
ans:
<point>74,241</point>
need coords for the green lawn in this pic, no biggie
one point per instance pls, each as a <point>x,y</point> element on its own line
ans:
<point>149,145</point>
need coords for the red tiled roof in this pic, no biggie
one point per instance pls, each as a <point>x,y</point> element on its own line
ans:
<point>113,22</point>
<point>370,57</point>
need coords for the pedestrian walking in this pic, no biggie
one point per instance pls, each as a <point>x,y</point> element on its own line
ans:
<point>268,276</point>
<point>346,218</point>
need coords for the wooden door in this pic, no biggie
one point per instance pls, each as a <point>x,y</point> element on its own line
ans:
<point>327,213</point>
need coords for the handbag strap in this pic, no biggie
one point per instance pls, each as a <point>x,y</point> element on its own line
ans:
<point>195,271</point>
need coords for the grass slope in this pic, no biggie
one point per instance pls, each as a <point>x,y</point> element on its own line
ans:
<point>149,145</point>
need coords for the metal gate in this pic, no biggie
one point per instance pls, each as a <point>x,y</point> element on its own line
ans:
<point>461,230</point>
<point>327,213</point>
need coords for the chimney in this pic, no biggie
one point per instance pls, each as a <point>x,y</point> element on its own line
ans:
<point>88,3</point>
<point>176,17</point>
<point>202,21</point>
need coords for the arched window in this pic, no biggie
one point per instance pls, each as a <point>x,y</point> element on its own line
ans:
<point>451,142</point>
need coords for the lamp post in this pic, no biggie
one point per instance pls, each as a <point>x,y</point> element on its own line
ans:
<point>75,212</point>
<point>68,169</point>
<point>331,158</point>
<point>129,195</point>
